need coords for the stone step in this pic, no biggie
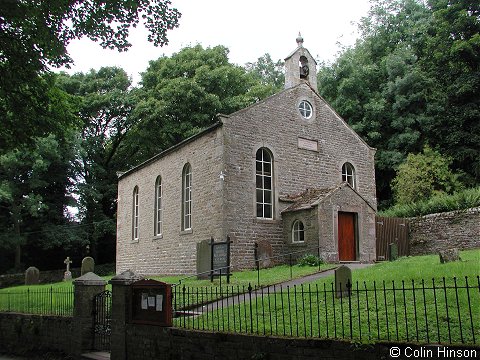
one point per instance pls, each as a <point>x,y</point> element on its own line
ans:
<point>97,355</point>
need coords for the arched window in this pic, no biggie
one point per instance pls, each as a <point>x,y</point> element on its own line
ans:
<point>158,207</point>
<point>348,174</point>
<point>264,184</point>
<point>187,197</point>
<point>298,232</point>
<point>135,215</point>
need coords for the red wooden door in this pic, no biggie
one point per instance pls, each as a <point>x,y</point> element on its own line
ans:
<point>346,237</point>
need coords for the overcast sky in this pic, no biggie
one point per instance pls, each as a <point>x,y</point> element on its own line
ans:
<point>248,28</point>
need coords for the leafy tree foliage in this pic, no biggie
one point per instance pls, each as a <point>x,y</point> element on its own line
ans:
<point>33,193</point>
<point>268,72</point>
<point>423,176</point>
<point>404,85</point>
<point>452,58</point>
<point>34,35</point>
<point>183,93</point>
<point>104,103</point>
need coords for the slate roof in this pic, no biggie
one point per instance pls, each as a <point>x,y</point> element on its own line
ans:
<point>307,199</point>
<point>312,197</point>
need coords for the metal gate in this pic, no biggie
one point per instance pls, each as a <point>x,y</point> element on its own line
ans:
<point>102,310</point>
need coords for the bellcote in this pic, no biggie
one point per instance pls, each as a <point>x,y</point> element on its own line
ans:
<point>300,66</point>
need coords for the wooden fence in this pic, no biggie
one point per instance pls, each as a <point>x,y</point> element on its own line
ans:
<point>391,231</point>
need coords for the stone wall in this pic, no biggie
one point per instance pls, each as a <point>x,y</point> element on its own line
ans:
<point>150,342</point>
<point>174,252</point>
<point>432,233</point>
<point>21,334</point>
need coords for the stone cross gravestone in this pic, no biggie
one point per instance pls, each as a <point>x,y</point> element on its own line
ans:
<point>343,280</point>
<point>67,275</point>
<point>449,255</point>
<point>32,276</point>
<point>88,265</point>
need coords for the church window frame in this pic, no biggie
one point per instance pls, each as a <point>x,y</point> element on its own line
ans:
<point>158,208</point>
<point>348,174</point>
<point>298,232</point>
<point>306,109</point>
<point>135,214</point>
<point>187,197</point>
<point>264,187</point>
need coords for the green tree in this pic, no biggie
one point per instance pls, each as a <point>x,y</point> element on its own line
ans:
<point>182,94</point>
<point>452,57</point>
<point>403,85</point>
<point>268,72</point>
<point>104,103</point>
<point>35,34</point>
<point>424,175</point>
<point>33,193</point>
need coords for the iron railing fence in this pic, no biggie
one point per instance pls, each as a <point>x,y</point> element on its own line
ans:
<point>193,300</point>
<point>437,311</point>
<point>291,258</point>
<point>43,301</point>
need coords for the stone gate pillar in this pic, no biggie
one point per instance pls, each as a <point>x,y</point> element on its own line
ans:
<point>86,287</point>
<point>121,303</point>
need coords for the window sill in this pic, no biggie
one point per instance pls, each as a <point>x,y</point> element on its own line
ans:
<point>134,241</point>
<point>186,232</point>
<point>158,237</point>
<point>265,221</point>
<point>299,244</point>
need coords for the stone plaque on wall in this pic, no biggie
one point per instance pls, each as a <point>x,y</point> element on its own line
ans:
<point>307,144</point>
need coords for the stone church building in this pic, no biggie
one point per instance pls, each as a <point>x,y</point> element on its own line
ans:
<point>287,173</point>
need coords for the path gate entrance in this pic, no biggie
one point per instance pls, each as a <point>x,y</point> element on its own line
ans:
<point>102,310</point>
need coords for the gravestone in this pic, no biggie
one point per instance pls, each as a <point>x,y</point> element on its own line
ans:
<point>88,265</point>
<point>392,251</point>
<point>67,275</point>
<point>203,259</point>
<point>264,253</point>
<point>343,280</point>
<point>449,255</point>
<point>32,276</point>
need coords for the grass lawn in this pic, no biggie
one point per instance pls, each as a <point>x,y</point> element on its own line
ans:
<point>57,298</point>
<point>267,276</point>
<point>384,305</point>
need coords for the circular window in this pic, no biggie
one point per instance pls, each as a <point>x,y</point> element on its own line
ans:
<point>305,109</point>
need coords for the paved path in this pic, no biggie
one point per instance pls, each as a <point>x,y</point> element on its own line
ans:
<point>237,299</point>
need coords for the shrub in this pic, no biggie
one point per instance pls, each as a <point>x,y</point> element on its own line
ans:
<point>310,260</point>
<point>461,200</point>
